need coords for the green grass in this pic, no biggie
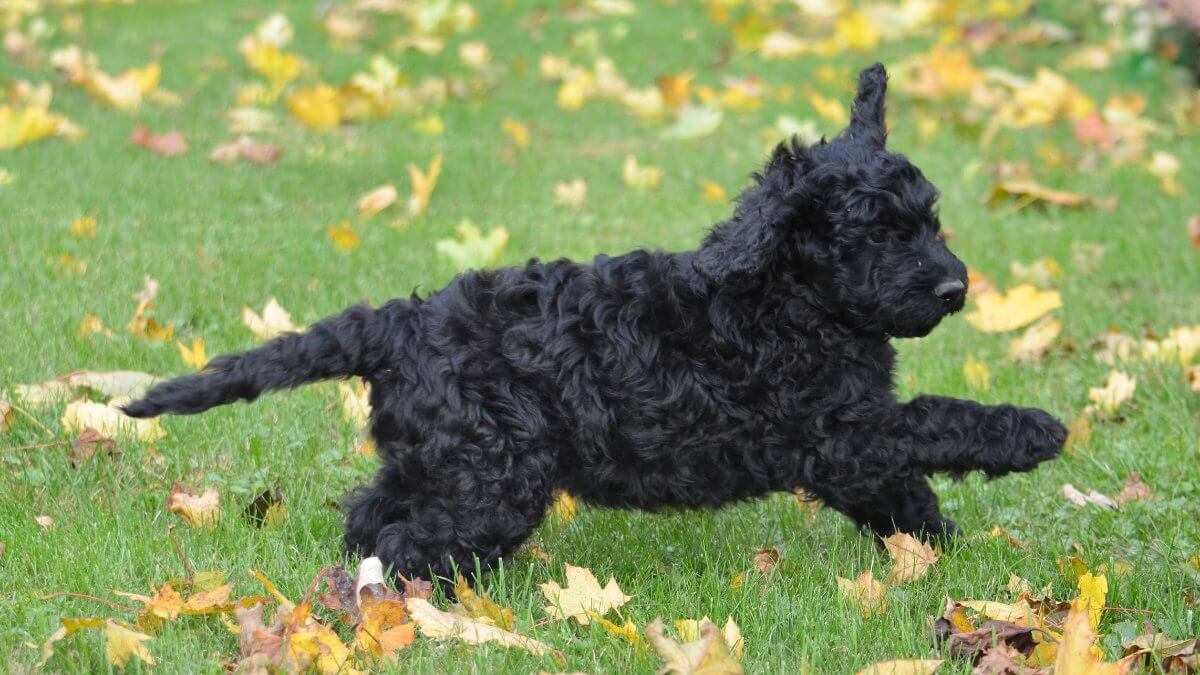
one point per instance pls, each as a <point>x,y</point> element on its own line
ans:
<point>218,237</point>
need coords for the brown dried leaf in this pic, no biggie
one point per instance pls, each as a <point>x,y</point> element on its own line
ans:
<point>438,625</point>
<point>766,559</point>
<point>85,445</point>
<point>1193,231</point>
<point>247,148</point>
<point>1134,490</point>
<point>170,144</point>
<point>1073,495</point>
<point>1026,192</point>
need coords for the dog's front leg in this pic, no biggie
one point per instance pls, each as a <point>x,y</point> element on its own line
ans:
<point>956,436</point>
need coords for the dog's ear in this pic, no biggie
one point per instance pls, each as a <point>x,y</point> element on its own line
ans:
<point>748,242</point>
<point>867,119</point>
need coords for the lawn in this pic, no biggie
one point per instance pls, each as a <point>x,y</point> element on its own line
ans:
<point>219,236</point>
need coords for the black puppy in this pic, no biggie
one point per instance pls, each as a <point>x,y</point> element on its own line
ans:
<point>759,362</point>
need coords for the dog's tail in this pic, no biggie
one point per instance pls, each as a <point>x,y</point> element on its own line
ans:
<point>356,342</point>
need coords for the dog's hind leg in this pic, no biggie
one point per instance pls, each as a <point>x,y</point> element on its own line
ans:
<point>909,506</point>
<point>458,501</point>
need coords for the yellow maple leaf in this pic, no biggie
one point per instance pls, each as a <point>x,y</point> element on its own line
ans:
<point>977,374</point>
<point>470,249</point>
<point>640,177</point>
<point>356,402</point>
<point>1117,389</point>
<point>712,192</point>
<point>83,227</point>
<point>708,654</point>
<point>1033,343</point>
<point>277,66</point>
<point>1018,307</point>
<point>564,508</point>
<point>1076,654</point>
<point>856,33</point>
<point>1093,589</point>
<point>109,420</point>
<point>1165,167</point>
<point>830,109</point>
<point>318,107</point>
<point>689,631</point>
<point>628,631</point>
<point>581,595</point>
<point>570,193</point>
<point>477,605</point>
<point>124,643</point>
<point>198,510</point>
<point>377,200</point>
<point>517,131</point>
<point>194,356</point>
<point>438,625</point>
<point>865,592</point>
<point>676,90</point>
<point>344,237</point>
<point>275,320</point>
<point>429,125</point>
<point>423,183</point>
<point>21,126</point>
<point>912,558</point>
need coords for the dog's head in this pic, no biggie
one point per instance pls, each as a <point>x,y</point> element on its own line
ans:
<point>856,223</point>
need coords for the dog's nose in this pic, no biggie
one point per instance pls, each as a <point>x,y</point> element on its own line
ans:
<point>950,289</point>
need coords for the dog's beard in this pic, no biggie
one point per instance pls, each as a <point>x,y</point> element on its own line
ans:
<point>918,319</point>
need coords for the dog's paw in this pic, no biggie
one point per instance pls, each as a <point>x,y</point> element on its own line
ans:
<point>1036,437</point>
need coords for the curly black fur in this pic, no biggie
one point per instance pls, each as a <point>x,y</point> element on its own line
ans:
<point>759,362</point>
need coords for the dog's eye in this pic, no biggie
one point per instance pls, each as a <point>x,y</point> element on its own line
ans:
<point>878,236</point>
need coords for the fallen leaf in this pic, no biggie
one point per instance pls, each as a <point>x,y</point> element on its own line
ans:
<point>1193,231</point>
<point>124,643</point>
<point>384,629</point>
<point>198,510</point>
<point>713,193</point>
<point>709,654</point>
<point>694,122</point>
<point>83,227</point>
<point>1117,389</point>
<point>571,193</point>
<point>581,595</point>
<point>1073,495</point>
<point>1075,654</point>
<point>478,606</point>
<point>1019,306</point>
<point>864,592</point>
<point>195,356</point>
<point>517,131</point>
<point>87,443</point>
<point>110,420</point>
<point>1042,272</point>
<point>689,631</point>
<point>423,183</point>
<point>24,125</point>
<point>903,667</point>
<point>1134,490</point>
<point>475,55</point>
<point>1027,192</point>
<point>1093,589</point>
<point>274,321</point>
<point>438,625</point>
<point>317,107</point>
<point>45,522</point>
<point>344,237</point>
<point>765,560</point>
<point>469,249</point>
<point>1036,340</point>
<point>266,509</point>
<point>1079,434</point>
<point>7,412</point>
<point>247,148</point>
<point>356,402</point>
<point>829,109</point>
<point>676,90</point>
<point>911,558</point>
<point>429,125</point>
<point>977,374</point>
<point>170,144</point>
<point>377,200</point>
<point>564,508</point>
<point>1165,167</point>
<point>640,177</point>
